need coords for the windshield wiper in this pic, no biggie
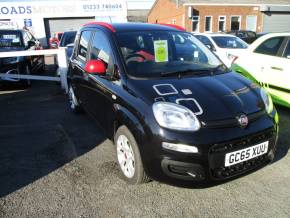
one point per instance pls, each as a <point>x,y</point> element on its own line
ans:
<point>196,72</point>
<point>201,71</point>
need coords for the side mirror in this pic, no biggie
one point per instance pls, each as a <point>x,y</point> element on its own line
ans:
<point>212,48</point>
<point>31,43</point>
<point>95,67</point>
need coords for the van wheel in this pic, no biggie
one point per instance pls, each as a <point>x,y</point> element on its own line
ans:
<point>73,102</point>
<point>129,158</point>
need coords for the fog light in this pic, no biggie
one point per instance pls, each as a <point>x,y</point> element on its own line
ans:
<point>180,147</point>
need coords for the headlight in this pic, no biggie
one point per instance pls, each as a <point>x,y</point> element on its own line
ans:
<point>174,116</point>
<point>267,101</point>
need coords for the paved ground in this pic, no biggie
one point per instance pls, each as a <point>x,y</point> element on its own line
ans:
<point>56,164</point>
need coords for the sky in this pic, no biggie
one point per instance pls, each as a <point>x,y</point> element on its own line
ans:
<point>132,4</point>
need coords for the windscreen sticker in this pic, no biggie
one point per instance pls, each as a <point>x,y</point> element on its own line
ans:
<point>161,50</point>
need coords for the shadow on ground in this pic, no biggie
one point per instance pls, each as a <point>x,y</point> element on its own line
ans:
<point>39,134</point>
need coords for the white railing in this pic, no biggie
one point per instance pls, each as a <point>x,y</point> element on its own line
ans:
<point>62,64</point>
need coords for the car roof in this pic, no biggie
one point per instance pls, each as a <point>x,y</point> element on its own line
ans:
<point>125,27</point>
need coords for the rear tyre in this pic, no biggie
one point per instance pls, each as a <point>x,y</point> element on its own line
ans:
<point>129,158</point>
<point>73,102</point>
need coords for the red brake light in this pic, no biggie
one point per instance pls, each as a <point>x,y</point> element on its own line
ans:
<point>95,67</point>
<point>173,26</point>
<point>103,24</point>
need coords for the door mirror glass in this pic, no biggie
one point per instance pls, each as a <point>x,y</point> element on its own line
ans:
<point>95,67</point>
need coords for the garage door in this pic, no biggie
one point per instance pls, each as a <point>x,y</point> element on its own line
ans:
<point>65,24</point>
<point>276,22</point>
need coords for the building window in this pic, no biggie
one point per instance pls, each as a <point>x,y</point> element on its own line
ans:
<point>208,24</point>
<point>173,21</point>
<point>195,24</point>
<point>235,23</point>
<point>222,23</point>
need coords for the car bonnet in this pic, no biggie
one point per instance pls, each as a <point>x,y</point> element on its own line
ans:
<point>211,98</point>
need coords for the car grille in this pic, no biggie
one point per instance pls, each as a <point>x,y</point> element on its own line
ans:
<point>233,122</point>
<point>227,172</point>
<point>217,155</point>
<point>237,144</point>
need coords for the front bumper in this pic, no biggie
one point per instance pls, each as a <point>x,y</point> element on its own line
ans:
<point>208,165</point>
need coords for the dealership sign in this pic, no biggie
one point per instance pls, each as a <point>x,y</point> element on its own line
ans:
<point>9,10</point>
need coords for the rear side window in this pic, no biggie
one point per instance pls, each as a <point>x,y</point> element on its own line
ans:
<point>101,50</point>
<point>204,40</point>
<point>84,44</point>
<point>270,46</point>
<point>252,34</point>
<point>287,51</point>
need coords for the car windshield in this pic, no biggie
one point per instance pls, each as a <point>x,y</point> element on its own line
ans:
<point>155,53</point>
<point>67,38</point>
<point>229,42</point>
<point>10,39</point>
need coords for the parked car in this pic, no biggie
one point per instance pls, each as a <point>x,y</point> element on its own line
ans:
<point>225,46</point>
<point>246,35</point>
<point>54,40</point>
<point>66,41</point>
<point>261,34</point>
<point>174,111</point>
<point>19,40</point>
<point>267,62</point>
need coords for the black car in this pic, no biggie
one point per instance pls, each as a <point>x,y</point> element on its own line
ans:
<point>173,110</point>
<point>246,35</point>
<point>19,40</point>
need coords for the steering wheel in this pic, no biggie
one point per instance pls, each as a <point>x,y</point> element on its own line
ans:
<point>132,56</point>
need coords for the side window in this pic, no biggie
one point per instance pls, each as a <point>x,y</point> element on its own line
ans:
<point>84,44</point>
<point>204,40</point>
<point>287,51</point>
<point>251,34</point>
<point>270,46</point>
<point>101,50</point>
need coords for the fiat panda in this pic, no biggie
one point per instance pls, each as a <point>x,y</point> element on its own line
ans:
<point>174,111</point>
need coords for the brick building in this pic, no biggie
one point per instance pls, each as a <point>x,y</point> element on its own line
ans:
<point>223,15</point>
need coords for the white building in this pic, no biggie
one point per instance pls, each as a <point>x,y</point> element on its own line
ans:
<point>44,18</point>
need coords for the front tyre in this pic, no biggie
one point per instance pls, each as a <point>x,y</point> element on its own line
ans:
<point>129,158</point>
<point>73,102</point>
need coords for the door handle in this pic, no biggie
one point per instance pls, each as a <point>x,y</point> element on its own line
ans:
<point>277,68</point>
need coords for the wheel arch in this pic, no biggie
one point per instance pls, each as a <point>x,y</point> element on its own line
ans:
<point>124,117</point>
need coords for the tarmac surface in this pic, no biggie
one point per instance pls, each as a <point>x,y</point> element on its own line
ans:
<point>54,163</point>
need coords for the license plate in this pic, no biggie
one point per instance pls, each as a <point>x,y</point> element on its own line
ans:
<point>246,154</point>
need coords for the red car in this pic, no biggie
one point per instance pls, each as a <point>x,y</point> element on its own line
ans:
<point>54,41</point>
